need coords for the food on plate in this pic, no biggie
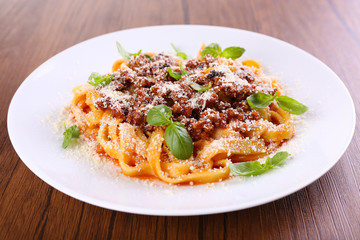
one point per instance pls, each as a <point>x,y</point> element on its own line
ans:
<point>185,121</point>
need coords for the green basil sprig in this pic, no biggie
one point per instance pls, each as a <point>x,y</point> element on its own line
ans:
<point>125,54</point>
<point>177,75</point>
<point>148,56</point>
<point>214,50</point>
<point>179,54</point>
<point>198,87</point>
<point>179,141</point>
<point>96,79</point>
<point>159,115</point>
<point>262,100</point>
<point>253,168</point>
<point>69,134</point>
<point>176,137</point>
<point>291,105</point>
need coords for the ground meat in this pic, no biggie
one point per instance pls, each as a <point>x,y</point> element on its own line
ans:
<point>246,74</point>
<point>134,91</point>
<point>138,61</point>
<point>206,62</point>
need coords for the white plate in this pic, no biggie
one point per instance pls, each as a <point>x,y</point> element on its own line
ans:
<point>329,124</point>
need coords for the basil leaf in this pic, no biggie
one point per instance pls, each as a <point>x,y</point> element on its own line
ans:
<point>177,75</point>
<point>183,71</point>
<point>94,75</point>
<point>182,55</point>
<point>178,141</point>
<point>96,79</point>
<point>125,54</point>
<point>148,56</point>
<point>215,50</point>
<point>260,100</point>
<point>278,158</point>
<point>69,134</point>
<point>212,49</point>
<point>291,105</point>
<point>179,54</point>
<point>232,52</point>
<point>138,53</point>
<point>255,167</point>
<point>198,87</point>
<point>247,168</point>
<point>159,115</point>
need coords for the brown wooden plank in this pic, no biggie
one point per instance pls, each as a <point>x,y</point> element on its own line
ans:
<point>19,215</point>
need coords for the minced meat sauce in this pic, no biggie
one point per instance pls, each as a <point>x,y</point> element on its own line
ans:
<point>147,83</point>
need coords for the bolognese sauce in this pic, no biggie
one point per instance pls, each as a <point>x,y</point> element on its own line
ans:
<point>147,83</point>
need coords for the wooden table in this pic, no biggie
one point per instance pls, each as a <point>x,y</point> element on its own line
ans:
<point>33,31</point>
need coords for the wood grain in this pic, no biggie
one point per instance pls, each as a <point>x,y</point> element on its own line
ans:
<point>33,31</point>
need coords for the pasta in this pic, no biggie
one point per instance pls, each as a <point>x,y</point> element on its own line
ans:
<point>223,128</point>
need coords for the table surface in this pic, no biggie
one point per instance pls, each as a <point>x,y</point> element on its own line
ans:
<point>33,31</point>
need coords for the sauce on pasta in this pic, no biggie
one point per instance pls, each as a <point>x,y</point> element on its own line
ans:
<point>222,125</point>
